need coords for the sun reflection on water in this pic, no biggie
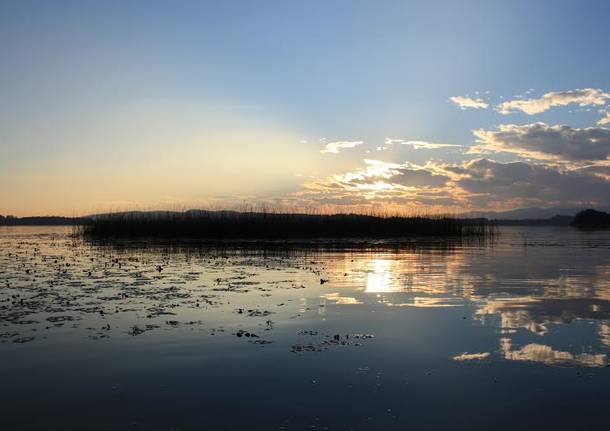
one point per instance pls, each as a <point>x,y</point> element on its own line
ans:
<point>530,299</point>
<point>380,277</point>
<point>551,306</point>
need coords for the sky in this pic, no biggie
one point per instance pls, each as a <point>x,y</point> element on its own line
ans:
<point>330,106</point>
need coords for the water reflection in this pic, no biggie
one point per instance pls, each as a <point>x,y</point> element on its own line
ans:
<point>374,333</point>
<point>336,298</point>
<point>549,300</point>
<point>380,277</point>
<point>558,293</point>
<point>471,356</point>
<point>547,355</point>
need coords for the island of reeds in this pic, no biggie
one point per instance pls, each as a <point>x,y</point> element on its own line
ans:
<point>232,225</point>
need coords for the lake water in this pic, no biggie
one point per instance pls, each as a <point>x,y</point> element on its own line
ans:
<point>508,335</point>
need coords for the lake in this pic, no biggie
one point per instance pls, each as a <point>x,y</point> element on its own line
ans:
<point>512,333</point>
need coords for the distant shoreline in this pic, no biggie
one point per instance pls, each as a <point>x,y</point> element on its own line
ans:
<point>557,220</point>
<point>42,221</point>
<point>206,224</point>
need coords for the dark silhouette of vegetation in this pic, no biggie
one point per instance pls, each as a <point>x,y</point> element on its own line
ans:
<point>592,219</point>
<point>220,225</point>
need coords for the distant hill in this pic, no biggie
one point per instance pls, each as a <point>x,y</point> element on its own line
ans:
<point>557,220</point>
<point>528,213</point>
<point>592,219</point>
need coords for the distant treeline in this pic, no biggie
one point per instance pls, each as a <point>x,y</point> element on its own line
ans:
<point>260,225</point>
<point>40,221</point>
<point>591,219</point>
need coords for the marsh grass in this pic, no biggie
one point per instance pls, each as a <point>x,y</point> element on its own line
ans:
<point>255,225</point>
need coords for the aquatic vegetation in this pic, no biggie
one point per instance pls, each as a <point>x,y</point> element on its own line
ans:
<point>221,225</point>
<point>54,283</point>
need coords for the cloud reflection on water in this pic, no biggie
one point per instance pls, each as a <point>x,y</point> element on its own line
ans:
<point>533,295</point>
<point>548,302</point>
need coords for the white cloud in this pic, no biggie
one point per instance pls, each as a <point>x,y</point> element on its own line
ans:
<point>419,145</point>
<point>336,147</point>
<point>545,142</point>
<point>582,97</point>
<point>469,102</point>
<point>604,120</point>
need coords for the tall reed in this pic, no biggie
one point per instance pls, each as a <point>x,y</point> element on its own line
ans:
<point>277,225</point>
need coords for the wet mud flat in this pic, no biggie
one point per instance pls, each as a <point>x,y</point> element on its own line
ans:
<point>158,336</point>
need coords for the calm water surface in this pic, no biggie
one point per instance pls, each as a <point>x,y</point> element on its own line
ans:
<point>503,336</point>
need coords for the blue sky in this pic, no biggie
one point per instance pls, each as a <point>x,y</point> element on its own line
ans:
<point>122,104</point>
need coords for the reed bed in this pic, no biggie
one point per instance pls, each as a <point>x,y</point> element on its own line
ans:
<point>229,225</point>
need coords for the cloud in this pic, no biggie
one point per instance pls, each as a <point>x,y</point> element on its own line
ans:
<point>472,185</point>
<point>381,185</point>
<point>601,170</point>
<point>469,102</point>
<point>518,184</point>
<point>336,147</point>
<point>418,178</point>
<point>604,120</point>
<point>582,97</point>
<point>437,187</point>
<point>378,173</point>
<point>471,356</point>
<point>419,145</point>
<point>544,142</point>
